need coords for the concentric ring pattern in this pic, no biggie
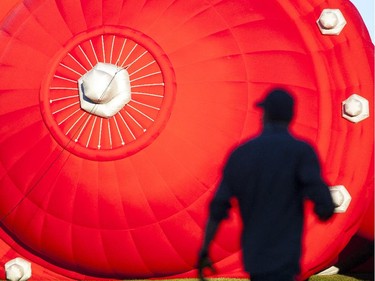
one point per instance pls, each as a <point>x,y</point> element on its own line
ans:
<point>126,196</point>
<point>131,129</point>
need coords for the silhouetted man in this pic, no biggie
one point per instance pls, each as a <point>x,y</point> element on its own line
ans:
<point>270,176</point>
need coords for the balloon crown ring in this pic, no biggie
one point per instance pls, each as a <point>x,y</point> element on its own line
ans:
<point>108,94</point>
<point>104,90</point>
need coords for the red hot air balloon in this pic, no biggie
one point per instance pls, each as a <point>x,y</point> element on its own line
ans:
<point>117,117</point>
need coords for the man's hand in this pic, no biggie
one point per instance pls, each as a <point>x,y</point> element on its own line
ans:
<point>204,260</point>
<point>324,214</point>
<point>203,263</point>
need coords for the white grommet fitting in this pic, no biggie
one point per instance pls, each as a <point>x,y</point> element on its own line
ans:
<point>329,271</point>
<point>104,90</point>
<point>355,108</point>
<point>341,198</point>
<point>18,269</point>
<point>331,22</point>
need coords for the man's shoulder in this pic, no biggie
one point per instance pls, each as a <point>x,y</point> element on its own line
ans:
<point>303,146</point>
<point>265,141</point>
<point>302,140</point>
<point>244,149</point>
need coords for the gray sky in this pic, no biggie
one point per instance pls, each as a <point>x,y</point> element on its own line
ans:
<point>367,10</point>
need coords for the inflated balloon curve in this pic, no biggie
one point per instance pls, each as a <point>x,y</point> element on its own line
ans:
<point>117,116</point>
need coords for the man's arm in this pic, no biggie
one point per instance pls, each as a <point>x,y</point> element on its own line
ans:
<point>314,187</point>
<point>218,211</point>
<point>209,235</point>
<point>204,260</point>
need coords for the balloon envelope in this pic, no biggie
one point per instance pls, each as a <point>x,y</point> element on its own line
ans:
<point>126,196</point>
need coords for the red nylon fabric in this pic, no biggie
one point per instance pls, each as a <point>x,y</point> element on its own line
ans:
<point>77,202</point>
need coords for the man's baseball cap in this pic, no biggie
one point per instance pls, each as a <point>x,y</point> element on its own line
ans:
<point>278,105</point>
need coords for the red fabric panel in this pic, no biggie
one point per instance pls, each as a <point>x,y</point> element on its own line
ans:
<point>140,209</point>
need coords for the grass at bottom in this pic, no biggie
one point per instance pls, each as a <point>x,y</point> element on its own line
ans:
<point>338,277</point>
<point>335,277</point>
